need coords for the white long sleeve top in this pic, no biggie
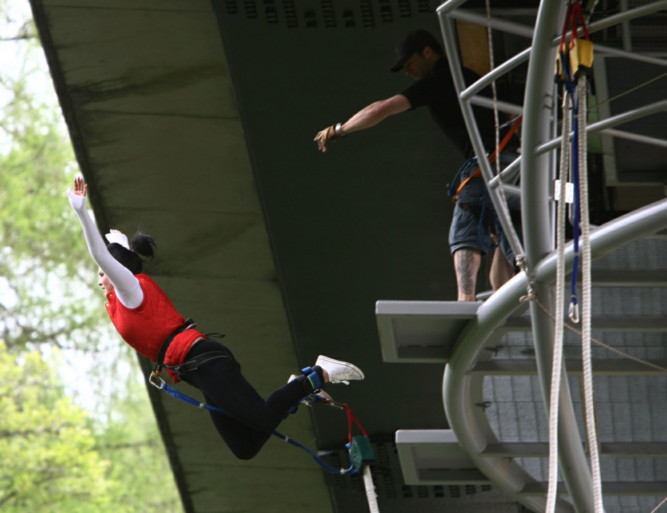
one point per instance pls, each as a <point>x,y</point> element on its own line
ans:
<point>126,285</point>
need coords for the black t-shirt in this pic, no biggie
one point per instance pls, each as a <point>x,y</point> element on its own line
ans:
<point>437,92</point>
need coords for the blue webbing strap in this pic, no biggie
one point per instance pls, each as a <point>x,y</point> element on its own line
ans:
<point>191,400</point>
<point>313,378</point>
<point>571,88</point>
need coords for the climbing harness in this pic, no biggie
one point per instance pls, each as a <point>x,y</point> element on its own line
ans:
<point>359,448</point>
<point>159,361</point>
<point>454,191</point>
<point>195,362</point>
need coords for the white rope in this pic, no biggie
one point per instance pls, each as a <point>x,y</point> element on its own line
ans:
<point>659,505</point>
<point>516,243</point>
<point>556,364</point>
<point>492,65</point>
<point>371,496</point>
<point>585,248</point>
<point>533,297</point>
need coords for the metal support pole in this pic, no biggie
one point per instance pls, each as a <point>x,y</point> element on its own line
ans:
<point>537,227</point>
<point>448,31</point>
<point>603,125</point>
<point>461,388</point>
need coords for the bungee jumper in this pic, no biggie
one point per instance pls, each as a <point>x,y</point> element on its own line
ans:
<point>146,319</point>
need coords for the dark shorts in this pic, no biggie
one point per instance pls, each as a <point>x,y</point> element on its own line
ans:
<point>466,230</point>
<point>474,219</point>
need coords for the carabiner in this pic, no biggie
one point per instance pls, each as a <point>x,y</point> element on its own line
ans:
<point>153,378</point>
<point>574,312</point>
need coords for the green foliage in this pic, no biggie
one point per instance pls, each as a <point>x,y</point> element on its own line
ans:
<point>44,286</point>
<point>130,443</point>
<point>55,456</point>
<point>46,446</point>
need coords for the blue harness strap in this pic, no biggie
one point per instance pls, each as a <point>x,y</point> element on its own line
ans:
<point>162,385</point>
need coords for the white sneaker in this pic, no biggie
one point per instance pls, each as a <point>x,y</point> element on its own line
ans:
<point>339,371</point>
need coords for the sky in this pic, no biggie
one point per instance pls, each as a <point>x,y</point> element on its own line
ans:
<point>16,12</point>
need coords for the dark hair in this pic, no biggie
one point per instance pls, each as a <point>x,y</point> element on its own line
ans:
<point>142,246</point>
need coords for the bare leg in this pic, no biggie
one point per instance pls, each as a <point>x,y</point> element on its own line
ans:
<point>501,270</point>
<point>466,266</point>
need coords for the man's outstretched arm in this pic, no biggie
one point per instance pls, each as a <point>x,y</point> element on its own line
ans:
<point>367,117</point>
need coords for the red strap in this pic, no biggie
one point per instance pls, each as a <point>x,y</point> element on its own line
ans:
<point>350,419</point>
<point>579,14</point>
<point>573,14</point>
<point>493,156</point>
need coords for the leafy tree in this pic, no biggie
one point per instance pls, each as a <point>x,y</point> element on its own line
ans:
<point>129,441</point>
<point>46,444</point>
<point>44,293</point>
<point>55,456</point>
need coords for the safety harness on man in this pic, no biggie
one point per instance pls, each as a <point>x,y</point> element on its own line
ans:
<point>492,158</point>
<point>486,216</point>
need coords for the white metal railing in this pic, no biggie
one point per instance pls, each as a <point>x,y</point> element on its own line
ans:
<point>538,143</point>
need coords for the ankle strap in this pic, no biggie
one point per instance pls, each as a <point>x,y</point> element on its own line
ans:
<point>314,377</point>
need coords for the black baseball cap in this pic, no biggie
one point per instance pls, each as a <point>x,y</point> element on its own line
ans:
<point>415,41</point>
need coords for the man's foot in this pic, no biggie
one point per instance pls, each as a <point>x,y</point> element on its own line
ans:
<point>339,371</point>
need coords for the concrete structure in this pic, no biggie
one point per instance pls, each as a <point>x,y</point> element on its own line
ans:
<point>193,120</point>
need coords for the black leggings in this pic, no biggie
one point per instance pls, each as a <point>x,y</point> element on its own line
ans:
<point>251,419</point>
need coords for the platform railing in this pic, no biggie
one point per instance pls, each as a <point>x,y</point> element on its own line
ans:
<point>538,153</point>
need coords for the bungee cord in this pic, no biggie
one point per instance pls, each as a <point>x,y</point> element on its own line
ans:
<point>499,145</point>
<point>557,359</point>
<point>586,355</point>
<point>359,448</point>
<point>159,383</point>
<point>572,162</point>
<point>572,65</point>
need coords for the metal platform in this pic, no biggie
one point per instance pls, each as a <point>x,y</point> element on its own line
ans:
<point>421,331</point>
<point>435,457</point>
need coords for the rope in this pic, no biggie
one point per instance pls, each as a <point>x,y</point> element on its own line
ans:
<point>631,90</point>
<point>494,91</point>
<point>499,145</point>
<point>578,97</point>
<point>556,364</point>
<point>371,495</point>
<point>589,410</point>
<point>659,505</point>
<point>161,385</point>
<point>533,297</point>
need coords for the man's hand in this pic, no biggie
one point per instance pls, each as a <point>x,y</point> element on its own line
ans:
<point>324,136</point>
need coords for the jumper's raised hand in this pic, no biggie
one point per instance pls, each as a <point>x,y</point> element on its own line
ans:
<point>77,197</point>
<point>80,187</point>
